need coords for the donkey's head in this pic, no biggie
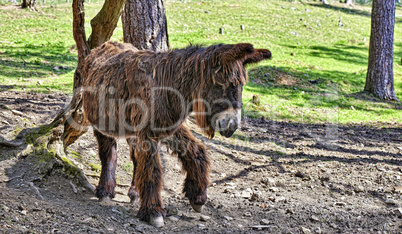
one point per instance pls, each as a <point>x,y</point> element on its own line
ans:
<point>220,99</point>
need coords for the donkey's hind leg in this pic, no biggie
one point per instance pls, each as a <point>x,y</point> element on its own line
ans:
<point>132,193</point>
<point>107,148</point>
<point>192,154</point>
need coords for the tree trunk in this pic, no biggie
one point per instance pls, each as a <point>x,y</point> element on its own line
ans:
<point>145,25</point>
<point>380,76</point>
<point>349,2</point>
<point>31,4</point>
<point>104,23</point>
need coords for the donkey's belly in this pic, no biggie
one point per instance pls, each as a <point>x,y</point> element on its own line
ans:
<point>116,117</point>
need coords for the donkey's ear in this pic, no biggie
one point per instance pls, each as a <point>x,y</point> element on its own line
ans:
<point>258,55</point>
<point>230,53</point>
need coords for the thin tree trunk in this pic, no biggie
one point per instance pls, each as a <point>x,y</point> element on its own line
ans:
<point>380,76</point>
<point>104,23</point>
<point>145,25</point>
<point>31,4</point>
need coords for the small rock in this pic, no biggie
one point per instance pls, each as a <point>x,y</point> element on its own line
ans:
<point>201,226</point>
<point>264,222</point>
<point>229,189</point>
<point>15,112</point>
<point>315,218</point>
<point>391,202</point>
<point>204,218</point>
<point>380,168</point>
<point>280,199</point>
<point>116,211</point>
<point>289,211</point>
<point>274,189</point>
<point>5,122</point>
<point>398,189</point>
<point>24,212</point>
<point>305,230</point>
<point>247,193</point>
<point>171,210</point>
<point>292,54</point>
<point>73,187</point>
<point>340,204</point>
<point>359,189</point>
<point>174,218</point>
<point>268,181</point>
<point>317,230</point>
<point>241,27</point>
<point>398,212</point>
<point>56,68</point>
<point>261,227</point>
<point>247,214</point>
<point>228,218</point>
<point>230,184</point>
<point>308,10</point>
<point>39,83</point>
<point>300,174</point>
<point>294,33</point>
<point>87,220</point>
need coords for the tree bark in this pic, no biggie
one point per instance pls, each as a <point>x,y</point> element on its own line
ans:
<point>31,4</point>
<point>380,76</point>
<point>104,23</point>
<point>145,25</point>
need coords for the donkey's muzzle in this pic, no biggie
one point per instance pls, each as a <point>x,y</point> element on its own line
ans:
<point>228,121</point>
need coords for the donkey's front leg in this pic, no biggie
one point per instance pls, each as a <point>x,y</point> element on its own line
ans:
<point>108,156</point>
<point>192,154</point>
<point>148,182</point>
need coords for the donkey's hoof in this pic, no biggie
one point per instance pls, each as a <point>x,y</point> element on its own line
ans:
<point>156,221</point>
<point>196,207</point>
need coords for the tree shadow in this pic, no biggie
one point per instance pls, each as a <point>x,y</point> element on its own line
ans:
<point>316,88</point>
<point>345,9</point>
<point>45,60</point>
<point>316,133</point>
<point>344,53</point>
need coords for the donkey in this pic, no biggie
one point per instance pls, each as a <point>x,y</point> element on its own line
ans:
<point>146,96</point>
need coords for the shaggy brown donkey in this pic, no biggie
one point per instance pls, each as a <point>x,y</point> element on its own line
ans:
<point>146,96</point>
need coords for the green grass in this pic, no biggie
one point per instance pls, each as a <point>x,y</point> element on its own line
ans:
<point>316,74</point>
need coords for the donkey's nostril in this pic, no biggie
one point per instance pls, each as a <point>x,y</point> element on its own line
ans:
<point>233,126</point>
<point>222,124</point>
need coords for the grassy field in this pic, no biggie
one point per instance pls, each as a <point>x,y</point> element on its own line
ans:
<point>318,69</point>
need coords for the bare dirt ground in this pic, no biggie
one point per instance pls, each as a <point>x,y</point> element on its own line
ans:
<point>272,176</point>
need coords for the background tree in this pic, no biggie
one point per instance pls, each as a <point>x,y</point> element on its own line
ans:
<point>380,75</point>
<point>145,25</point>
<point>67,125</point>
<point>103,25</point>
<point>31,4</point>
